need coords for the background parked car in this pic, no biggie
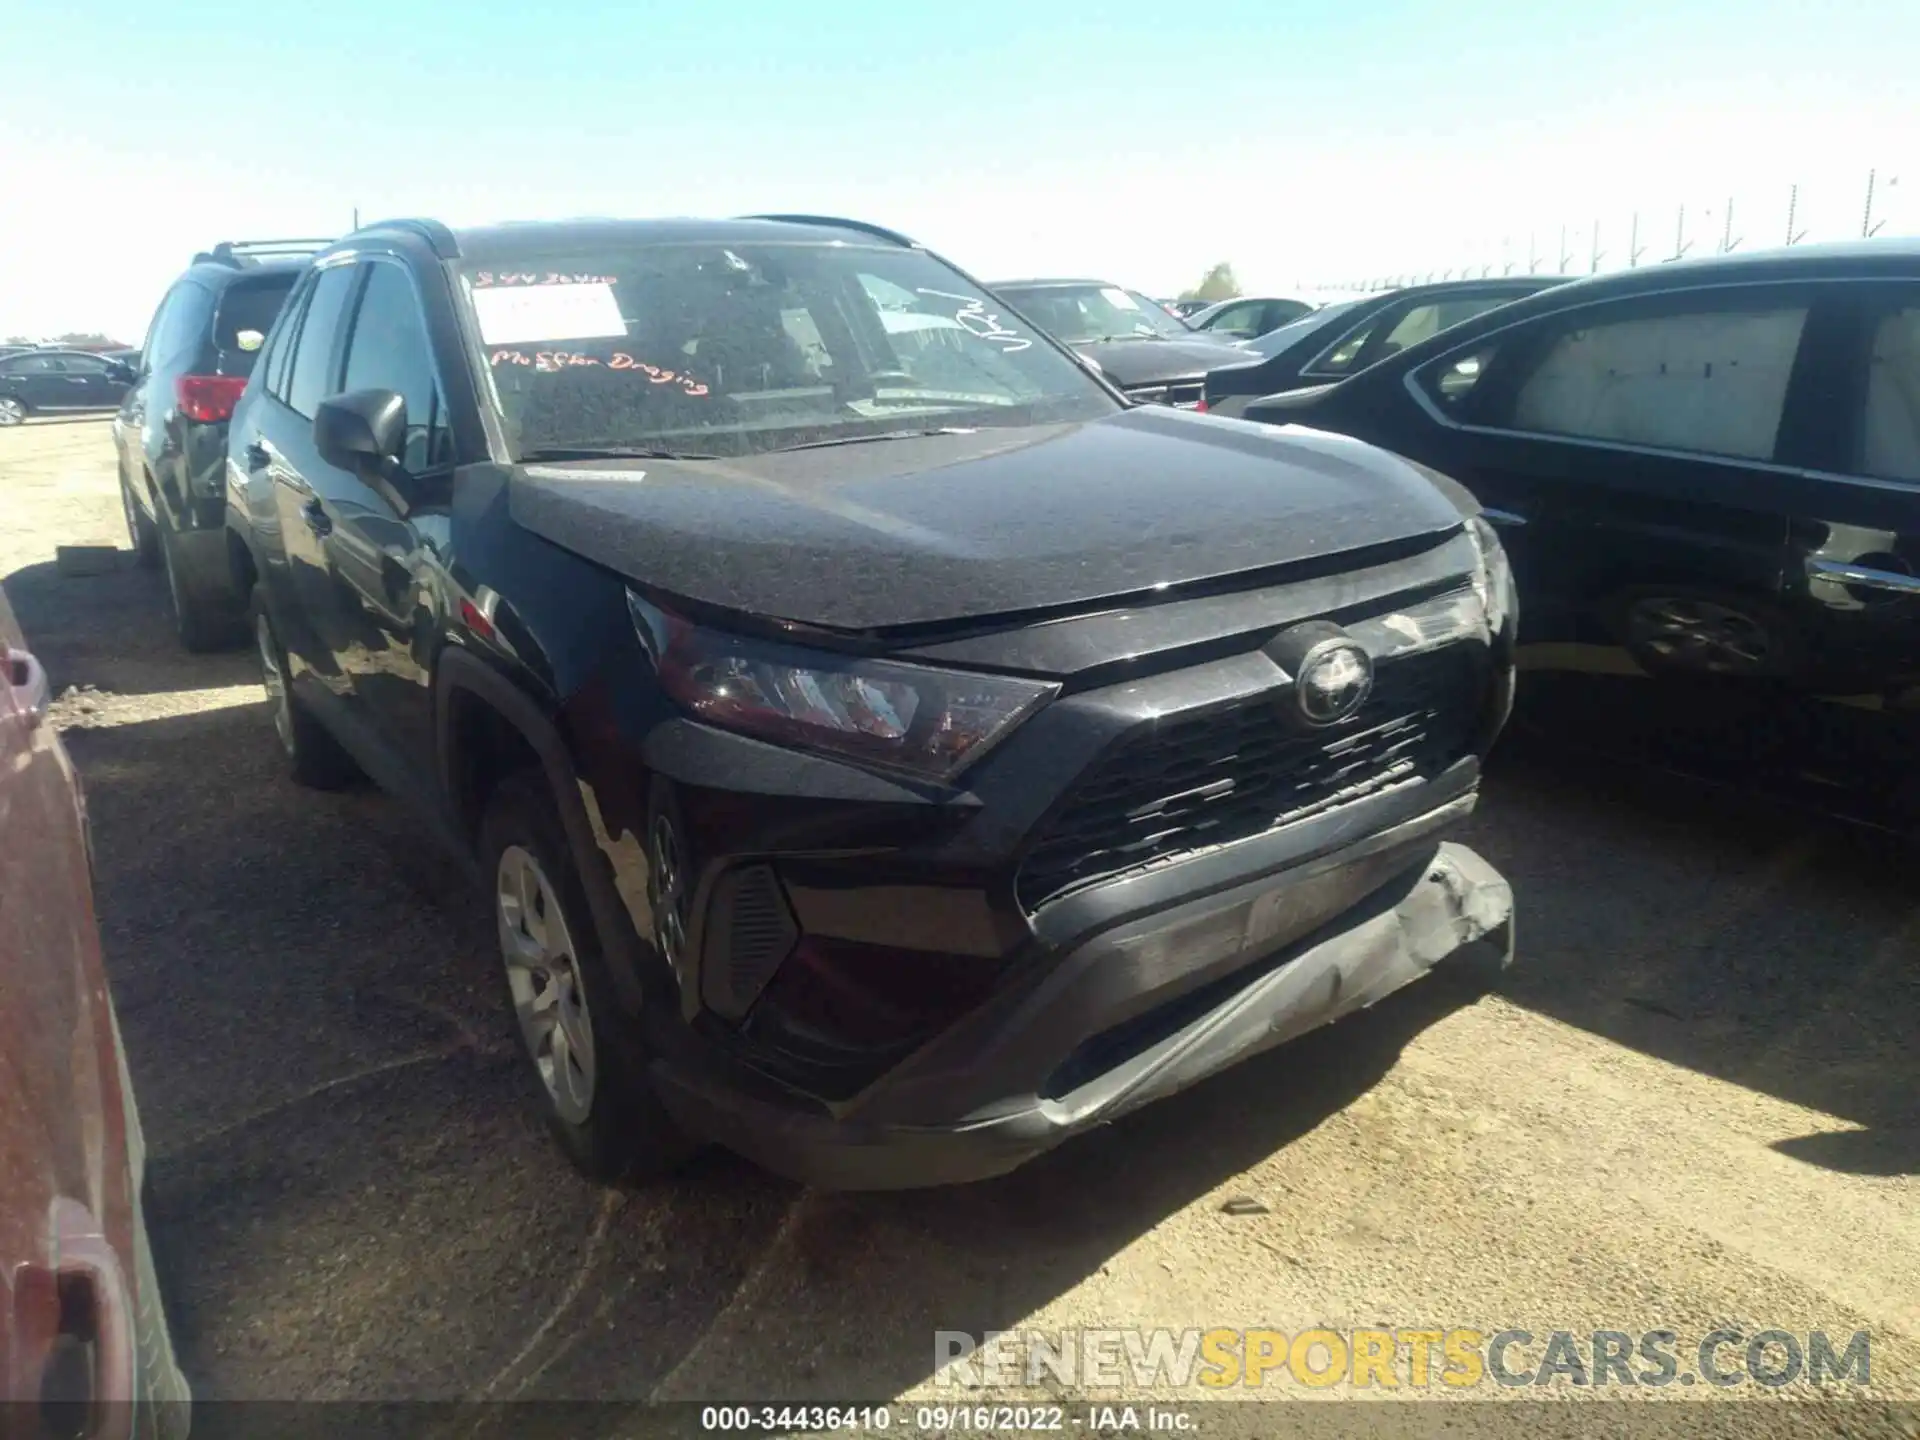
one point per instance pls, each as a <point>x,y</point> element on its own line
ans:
<point>1713,464</point>
<point>84,1346</point>
<point>1250,316</point>
<point>1348,335</point>
<point>55,382</point>
<point>1184,308</point>
<point>1152,356</point>
<point>171,432</point>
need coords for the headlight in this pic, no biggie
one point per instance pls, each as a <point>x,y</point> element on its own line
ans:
<point>879,712</point>
<point>1493,577</point>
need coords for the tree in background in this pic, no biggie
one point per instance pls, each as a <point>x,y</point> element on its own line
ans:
<point>1216,285</point>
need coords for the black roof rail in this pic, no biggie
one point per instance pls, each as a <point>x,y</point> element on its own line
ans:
<point>839,223</point>
<point>438,236</point>
<point>244,252</point>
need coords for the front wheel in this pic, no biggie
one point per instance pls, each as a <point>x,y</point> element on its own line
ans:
<point>314,758</point>
<point>585,1055</point>
<point>1686,631</point>
<point>13,411</point>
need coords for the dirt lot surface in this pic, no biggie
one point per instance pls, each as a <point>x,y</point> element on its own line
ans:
<point>1692,1105</point>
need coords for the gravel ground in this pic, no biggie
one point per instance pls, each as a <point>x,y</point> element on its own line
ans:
<point>1691,1105</point>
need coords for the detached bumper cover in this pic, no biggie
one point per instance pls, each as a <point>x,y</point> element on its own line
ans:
<point>1410,909</point>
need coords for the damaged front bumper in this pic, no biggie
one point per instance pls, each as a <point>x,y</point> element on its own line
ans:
<point>1134,1012</point>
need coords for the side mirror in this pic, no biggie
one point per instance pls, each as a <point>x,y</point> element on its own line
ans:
<point>121,372</point>
<point>363,429</point>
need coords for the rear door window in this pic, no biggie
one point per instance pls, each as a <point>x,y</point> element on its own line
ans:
<point>183,329</point>
<point>1708,380</point>
<point>315,372</point>
<point>284,338</point>
<point>246,314</point>
<point>1890,424</point>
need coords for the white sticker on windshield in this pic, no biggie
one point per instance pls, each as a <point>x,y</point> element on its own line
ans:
<point>1119,298</point>
<point>514,314</point>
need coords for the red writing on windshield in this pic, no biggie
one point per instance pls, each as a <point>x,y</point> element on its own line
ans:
<point>489,279</point>
<point>552,360</point>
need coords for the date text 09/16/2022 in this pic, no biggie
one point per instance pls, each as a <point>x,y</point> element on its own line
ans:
<point>944,1419</point>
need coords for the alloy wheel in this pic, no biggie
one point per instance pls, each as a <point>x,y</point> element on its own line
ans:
<point>543,974</point>
<point>1698,634</point>
<point>12,412</point>
<point>275,681</point>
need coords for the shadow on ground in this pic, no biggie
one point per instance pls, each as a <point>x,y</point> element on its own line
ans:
<point>1761,942</point>
<point>114,631</point>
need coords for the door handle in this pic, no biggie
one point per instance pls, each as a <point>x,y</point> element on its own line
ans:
<point>258,456</point>
<point>26,677</point>
<point>317,518</point>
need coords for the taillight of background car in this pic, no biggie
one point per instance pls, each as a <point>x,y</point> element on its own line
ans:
<point>207,398</point>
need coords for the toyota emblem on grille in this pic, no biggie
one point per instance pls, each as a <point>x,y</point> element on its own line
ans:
<point>1332,672</point>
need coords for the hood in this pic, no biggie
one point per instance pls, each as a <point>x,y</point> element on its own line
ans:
<point>988,523</point>
<point>1154,362</point>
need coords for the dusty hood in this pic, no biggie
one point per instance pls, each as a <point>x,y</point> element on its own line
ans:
<point>1152,362</point>
<point>999,521</point>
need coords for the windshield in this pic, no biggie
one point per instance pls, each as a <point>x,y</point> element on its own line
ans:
<point>1274,341</point>
<point>709,349</point>
<point>1078,314</point>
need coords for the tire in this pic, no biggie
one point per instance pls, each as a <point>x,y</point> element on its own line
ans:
<point>13,411</point>
<point>314,758</point>
<point>141,531</point>
<point>201,627</point>
<point>587,1063</point>
<point>1681,630</point>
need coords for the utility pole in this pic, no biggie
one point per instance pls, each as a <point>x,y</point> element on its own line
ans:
<point>1793,205</point>
<point>1595,253</point>
<point>1565,258</point>
<point>1634,248</point>
<point>1680,242</point>
<point>1506,256</point>
<point>1727,241</point>
<point>1868,227</point>
<point>356,217</point>
<point>1533,255</point>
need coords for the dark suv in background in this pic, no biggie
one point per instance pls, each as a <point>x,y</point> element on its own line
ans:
<point>886,751</point>
<point>171,430</point>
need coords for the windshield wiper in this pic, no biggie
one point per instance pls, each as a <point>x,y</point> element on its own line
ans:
<point>884,435</point>
<point>610,452</point>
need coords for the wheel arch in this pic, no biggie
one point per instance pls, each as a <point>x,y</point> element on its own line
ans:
<point>486,727</point>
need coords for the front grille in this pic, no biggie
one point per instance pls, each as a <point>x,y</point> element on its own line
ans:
<point>1182,785</point>
<point>1181,394</point>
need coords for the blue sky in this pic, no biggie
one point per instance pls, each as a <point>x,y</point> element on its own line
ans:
<point>1308,143</point>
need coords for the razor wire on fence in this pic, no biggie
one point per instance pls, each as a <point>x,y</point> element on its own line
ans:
<point>1723,234</point>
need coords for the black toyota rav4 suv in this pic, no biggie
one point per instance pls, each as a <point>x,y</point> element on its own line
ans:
<point>886,751</point>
